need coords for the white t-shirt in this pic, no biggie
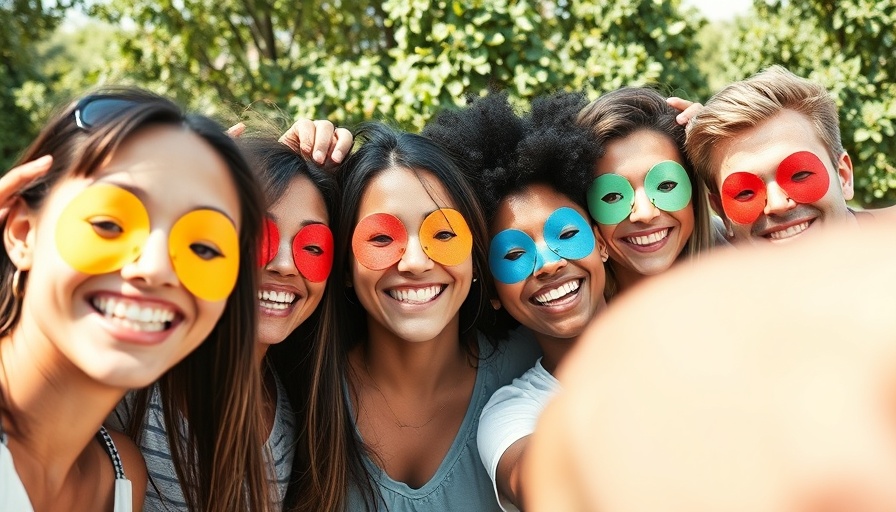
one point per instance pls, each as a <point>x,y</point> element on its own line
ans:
<point>510,415</point>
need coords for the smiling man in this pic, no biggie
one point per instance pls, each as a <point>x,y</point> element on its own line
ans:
<point>769,150</point>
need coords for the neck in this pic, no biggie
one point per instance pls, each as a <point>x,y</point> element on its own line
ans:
<point>625,277</point>
<point>425,366</point>
<point>554,350</point>
<point>52,409</point>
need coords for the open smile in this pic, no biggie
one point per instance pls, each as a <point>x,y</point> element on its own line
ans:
<point>559,295</point>
<point>648,242</point>
<point>136,316</point>
<point>415,296</point>
<point>276,300</point>
<point>789,231</point>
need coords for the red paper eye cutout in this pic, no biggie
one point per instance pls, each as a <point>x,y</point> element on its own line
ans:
<point>312,250</point>
<point>270,243</point>
<point>379,241</point>
<point>812,179</point>
<point>743,197</point>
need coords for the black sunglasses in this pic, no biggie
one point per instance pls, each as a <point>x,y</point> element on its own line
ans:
<point>94,110</point>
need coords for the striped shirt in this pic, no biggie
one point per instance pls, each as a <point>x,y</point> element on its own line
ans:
<point>163,492</point>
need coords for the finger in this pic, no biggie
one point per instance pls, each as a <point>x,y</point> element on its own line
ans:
<point>689,109</point>
<point>18,177</point>
<point>323,140</point>
<point>342,145</point>
<point>300,137</point>
<point>236,130</point>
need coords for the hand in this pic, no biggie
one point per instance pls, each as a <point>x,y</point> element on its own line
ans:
<point>319,140</point>
<point>779,398</point>
<point>17,177</point>
<point>236,130</point>
<point>689,109</point>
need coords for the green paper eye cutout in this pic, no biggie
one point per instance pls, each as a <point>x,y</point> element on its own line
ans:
<point>610,199</point>
<point>668,186</point>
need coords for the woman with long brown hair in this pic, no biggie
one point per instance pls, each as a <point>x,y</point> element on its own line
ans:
<point>117,274</point>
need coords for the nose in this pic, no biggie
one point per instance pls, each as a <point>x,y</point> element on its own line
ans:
<point>643,210</point>
<point>777,201</point>
<point>547,263</point>
<point>153,266</point>
<point>414,260</point>
<point>284,262</point>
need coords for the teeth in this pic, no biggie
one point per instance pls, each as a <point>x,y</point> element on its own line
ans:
<point>648,239</point>
<point>281,297</point>
<point>561,291</point>
<point>789,232</point>
<point>416,295</point>
<point>131,315</point>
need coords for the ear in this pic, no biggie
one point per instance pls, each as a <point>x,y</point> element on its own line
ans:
<point>844,172</point>
<point>18,235</point>
<point>715,200</point>
<point>601,245</point>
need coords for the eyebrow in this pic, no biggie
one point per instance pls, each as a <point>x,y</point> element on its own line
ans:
<point>306,222</point>
<point>141,194</point>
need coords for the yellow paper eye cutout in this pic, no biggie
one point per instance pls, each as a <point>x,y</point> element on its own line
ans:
<point>86,250</point>
<point>451,251</point>
<point>213,278</point>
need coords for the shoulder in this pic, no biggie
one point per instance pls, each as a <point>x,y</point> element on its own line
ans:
<point>512,356</point>
<point>880,215</point>
<point>521,401</point>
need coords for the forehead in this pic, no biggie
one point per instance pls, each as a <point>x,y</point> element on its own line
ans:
<point>761,148</point>
<point>407,194</point>
<point>172,170</point>
<point>529,208</point>
<point>633,155</point>
<point>300,202</point>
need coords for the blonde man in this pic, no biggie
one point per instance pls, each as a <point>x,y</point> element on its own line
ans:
<point>769,150</point>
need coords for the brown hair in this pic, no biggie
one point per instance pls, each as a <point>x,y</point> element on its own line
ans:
<point>747,103</point>
<point>216,388</point>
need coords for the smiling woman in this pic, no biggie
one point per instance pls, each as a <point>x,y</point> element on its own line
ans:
<point>107,270</point>
<point>412,371</point>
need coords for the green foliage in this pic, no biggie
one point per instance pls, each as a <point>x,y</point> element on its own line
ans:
<point>398,60</point>
<point>23,24</point>
<point>850,47</point>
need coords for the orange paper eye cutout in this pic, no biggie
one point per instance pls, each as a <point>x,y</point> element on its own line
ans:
<point>379,241</point>
<point>445,237</point>
<point>312,250</point>
<point>102,229</point>
<point>270,243</point>
<point>743,197</point>
<point>205,252</point>
<point>804,177</point>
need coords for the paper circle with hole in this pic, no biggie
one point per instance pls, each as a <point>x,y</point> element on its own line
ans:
<point>379,241</point>
<point>511,256</point>
<point>568,234</point>
<point>205,252</point>
<point>445,237</point>
<point>743,197</point>
<point>102,229</point>
<point>610,199</point>
<point>312,250</point>
<point>270,243</point>
<point>804,177</point>
<point>668,186</point>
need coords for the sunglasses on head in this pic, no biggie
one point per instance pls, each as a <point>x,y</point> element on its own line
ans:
<point>94,110</point>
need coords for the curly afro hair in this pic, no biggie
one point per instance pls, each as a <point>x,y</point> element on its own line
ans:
<point>503,152</point>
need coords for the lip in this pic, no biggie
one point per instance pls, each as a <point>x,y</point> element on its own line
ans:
<point>656,246</point>
<point>123,329</point>
<point>415,288</point>
<point>567,302</point>
<point>768,231</point>
<point>278,288</point>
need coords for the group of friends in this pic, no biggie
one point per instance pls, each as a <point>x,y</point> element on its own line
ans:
<point>194,318</point>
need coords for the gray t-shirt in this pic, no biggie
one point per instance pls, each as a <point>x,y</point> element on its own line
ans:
<point>163,492</point>
<point>461,482</point>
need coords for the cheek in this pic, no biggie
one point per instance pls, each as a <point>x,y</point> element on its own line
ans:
<point>315,293</point>
<point>685,218</point>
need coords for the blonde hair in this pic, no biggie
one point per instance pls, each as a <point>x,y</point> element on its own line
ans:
<point>747,103</point>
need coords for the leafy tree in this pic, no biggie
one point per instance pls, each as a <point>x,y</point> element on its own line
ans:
<point>399,60</point>
<point>23,23</point>
<point>850,47</point>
